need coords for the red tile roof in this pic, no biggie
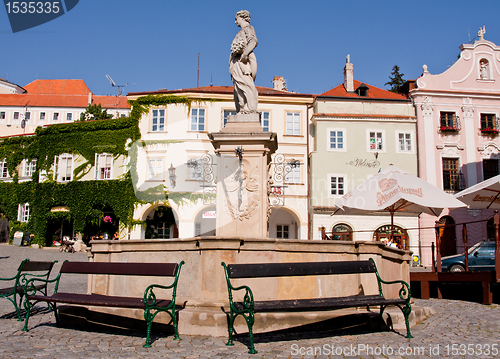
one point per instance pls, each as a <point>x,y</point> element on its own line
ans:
<point>59,87</point>
<point>263,91</point>
<point>59,93</point>
<point>373,93</point>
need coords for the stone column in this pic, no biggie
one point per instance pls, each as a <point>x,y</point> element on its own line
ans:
<point>470,140</point>
<point>243,154</point>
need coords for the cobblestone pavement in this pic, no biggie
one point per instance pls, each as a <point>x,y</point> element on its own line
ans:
<point>458,330</point>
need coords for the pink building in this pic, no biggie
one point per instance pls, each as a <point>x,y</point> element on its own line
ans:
<point>458,139</point>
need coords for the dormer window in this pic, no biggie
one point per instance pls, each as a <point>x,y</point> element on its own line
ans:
<point>362,90</point>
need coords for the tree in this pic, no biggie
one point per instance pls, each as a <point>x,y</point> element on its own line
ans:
<point>396,78</point>
<point>95,112</point>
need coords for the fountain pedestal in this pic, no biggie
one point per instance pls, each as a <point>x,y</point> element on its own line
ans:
<point>243,155</point>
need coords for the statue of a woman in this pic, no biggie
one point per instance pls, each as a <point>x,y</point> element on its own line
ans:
<point>243,65</point>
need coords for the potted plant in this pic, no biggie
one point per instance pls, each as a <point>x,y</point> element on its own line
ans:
<point>490,131</point>
<point>452,129</point>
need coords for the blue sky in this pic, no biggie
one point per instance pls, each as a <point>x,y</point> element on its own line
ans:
<point>154,44</point>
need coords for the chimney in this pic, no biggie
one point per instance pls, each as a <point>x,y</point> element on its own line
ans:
<point>90,98</point>
<point>348,75</point>
<point>279,83</point>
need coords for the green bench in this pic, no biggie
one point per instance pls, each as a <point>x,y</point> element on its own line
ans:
<point>27,269</point>
<point>148,302</point>
<point>248,307</point>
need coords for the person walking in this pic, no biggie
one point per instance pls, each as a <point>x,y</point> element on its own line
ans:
<point>4,229</point>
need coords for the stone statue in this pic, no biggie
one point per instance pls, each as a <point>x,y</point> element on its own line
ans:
<point>243,65</point>
<point>481,33</point>
<point>483,69</point>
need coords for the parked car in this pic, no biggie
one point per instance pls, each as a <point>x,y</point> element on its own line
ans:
<point>481,258</point>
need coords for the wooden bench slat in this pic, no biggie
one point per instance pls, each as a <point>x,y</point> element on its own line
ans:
<point>299,269</point>
<point>34,266</point>
<point>321,304</point>
<point>20,289</point>
<point>117,268</point>
<point>97,300</point>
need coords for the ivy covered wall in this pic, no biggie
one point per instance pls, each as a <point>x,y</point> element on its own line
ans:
<point>85,199</point>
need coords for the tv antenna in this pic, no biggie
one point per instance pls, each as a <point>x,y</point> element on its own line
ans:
<point>119,87</point>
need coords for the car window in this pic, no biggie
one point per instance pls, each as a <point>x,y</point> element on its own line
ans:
<point>473,248</point>
<point>486,250</point>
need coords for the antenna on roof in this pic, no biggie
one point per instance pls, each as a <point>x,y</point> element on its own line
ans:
<point>198,76</point>
<point>120,91</point>
<point>120,87</point>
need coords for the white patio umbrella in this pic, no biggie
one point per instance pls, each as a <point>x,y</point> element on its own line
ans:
<point>394,190</point>
<point>484,194</point>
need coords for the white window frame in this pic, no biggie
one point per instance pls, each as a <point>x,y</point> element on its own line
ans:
<point>287,231</point>
<point>195,123</point>
<point>4,172</point>
<point>16,118</point>
<point>27,116</point>
<point>29,167</point>
<point>69,117</point>
<point>155,169</point>
<point>63,166</point>
<point>197,229</point>
<point>158,120</point>
<point>103,166</point>
<point>293,123</point>
<point>329,139</point>
<point>55,116</point>
<point>337,176</point>
<point>23,212</point>
<point>3,116</point>
<point>411,142</point>
<point>382,142</point>
<point>225,114</point>
<point>162,226</point>
<point>43,115</point>
<point>294,176</point>
<point>263,119</point>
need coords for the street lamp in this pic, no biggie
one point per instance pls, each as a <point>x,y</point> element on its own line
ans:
<point>171,175</point>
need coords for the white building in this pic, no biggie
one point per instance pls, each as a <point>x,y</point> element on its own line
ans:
<point>46,102</point>
<point>176,152</point>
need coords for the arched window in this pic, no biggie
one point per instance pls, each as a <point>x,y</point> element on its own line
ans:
<point>383,234</point>
<point>342,232</point>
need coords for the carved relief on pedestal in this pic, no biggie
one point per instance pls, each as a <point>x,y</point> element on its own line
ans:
<point>242,189</point>
<point>490,151</point>
<point>427,107</point>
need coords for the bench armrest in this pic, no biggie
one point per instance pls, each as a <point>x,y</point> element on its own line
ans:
<point>404,291</point>
<point>150,296</point>
<point>29,285</point>
<point>247,298</point>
